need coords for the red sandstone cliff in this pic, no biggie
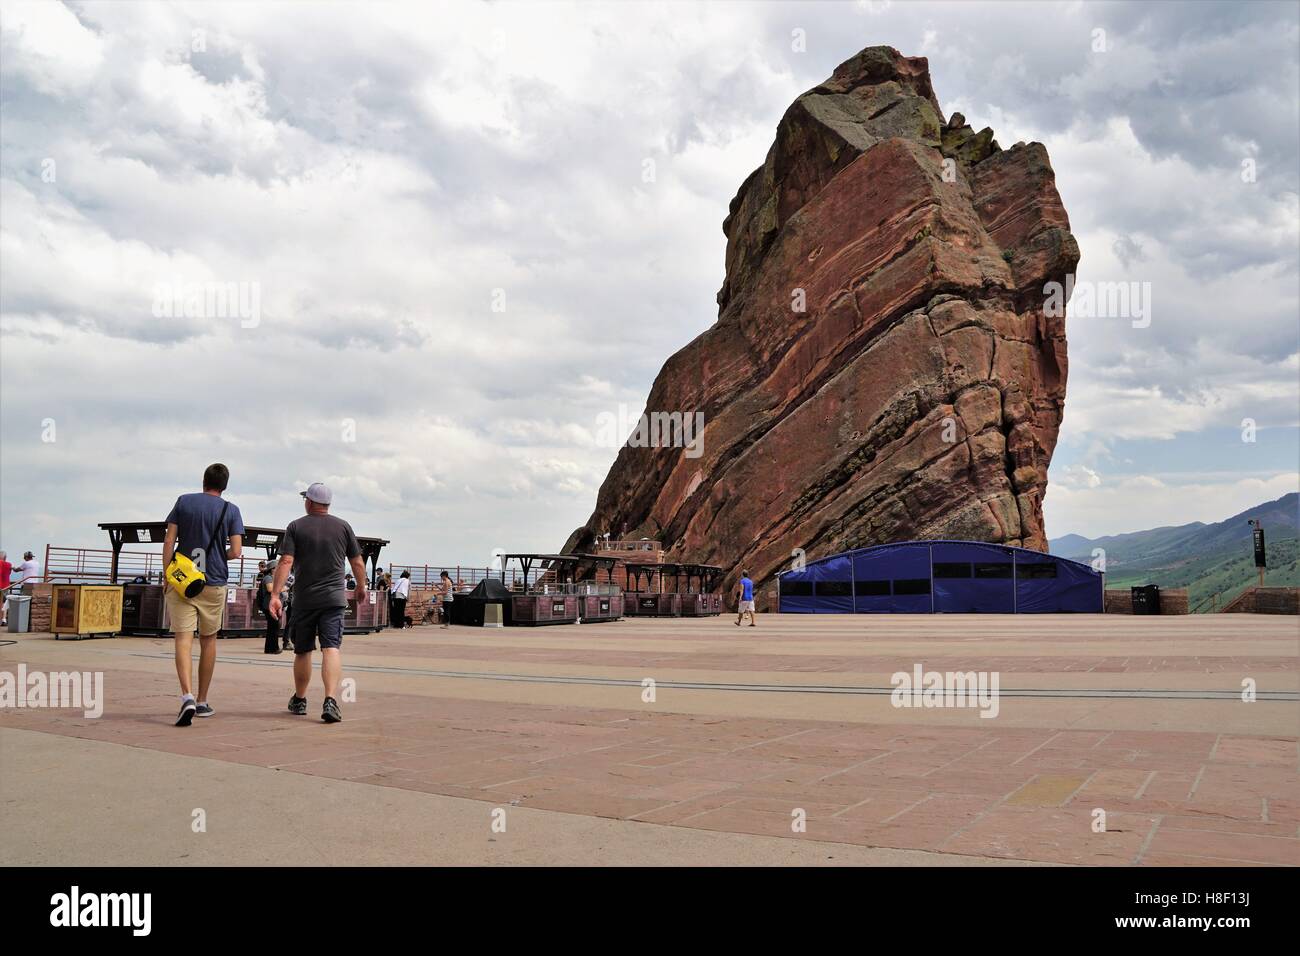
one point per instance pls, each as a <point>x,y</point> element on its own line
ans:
<point>919,393</point>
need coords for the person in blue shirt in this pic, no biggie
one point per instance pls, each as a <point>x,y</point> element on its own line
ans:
<point>199,526</point>
<point>745,593</point>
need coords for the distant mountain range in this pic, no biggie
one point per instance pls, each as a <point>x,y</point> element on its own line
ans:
<point>1207,559</point>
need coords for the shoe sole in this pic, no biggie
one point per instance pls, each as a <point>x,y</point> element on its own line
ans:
<point>330,719</point>
<point>211,713</point>
<point>185,719</point>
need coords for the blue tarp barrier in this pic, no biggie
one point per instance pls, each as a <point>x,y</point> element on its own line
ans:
<point>832,581</point>
<point>917,577</point>
<point>972,578</point>
<point>1050,585</point>
<point>881,569</point>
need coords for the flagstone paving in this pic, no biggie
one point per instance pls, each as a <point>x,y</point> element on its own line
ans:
<point>1185,782</point>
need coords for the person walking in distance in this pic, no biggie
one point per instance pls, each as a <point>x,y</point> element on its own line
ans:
<point>745,599</point>
<point>199,526</point>
<point>318,547</point>
<point>448,595</point>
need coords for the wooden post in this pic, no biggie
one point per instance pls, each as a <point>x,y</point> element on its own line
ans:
<point>115,541</point>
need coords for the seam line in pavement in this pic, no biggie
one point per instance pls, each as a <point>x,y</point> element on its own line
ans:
<point>1079,693</point>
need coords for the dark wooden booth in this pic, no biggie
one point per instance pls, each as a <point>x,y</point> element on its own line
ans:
<point>647,594</point>
<point>672,590</point>
<point>545,594</point>
<point>598,600</point>
<point>145,612</point>
<point>700,599</point>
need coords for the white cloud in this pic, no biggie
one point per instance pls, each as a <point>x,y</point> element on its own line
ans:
<point>45,44</point>
<point>379,170</point>
<point>1138,502</point>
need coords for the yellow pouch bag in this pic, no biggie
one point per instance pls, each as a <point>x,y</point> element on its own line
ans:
<point>183,574</point>
<point>185,577</point>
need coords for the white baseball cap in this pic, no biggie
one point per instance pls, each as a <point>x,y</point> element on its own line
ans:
<point>318,493</point>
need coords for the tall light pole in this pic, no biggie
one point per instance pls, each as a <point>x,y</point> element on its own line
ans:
<point>1261,562</point>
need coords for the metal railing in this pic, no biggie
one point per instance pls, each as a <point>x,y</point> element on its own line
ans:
<point>94,566</point>
<point>538,581</point>
<point>633,544</point>
<point>580,588</point>
<point>1213,602</point>
<point>465,578</point>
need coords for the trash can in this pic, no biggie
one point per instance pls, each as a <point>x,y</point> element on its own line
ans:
<point>1146,599</point>
<point>20,613</point>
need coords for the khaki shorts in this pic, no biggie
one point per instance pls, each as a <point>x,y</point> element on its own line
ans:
<point>202,614</point>
<point>746,606</point>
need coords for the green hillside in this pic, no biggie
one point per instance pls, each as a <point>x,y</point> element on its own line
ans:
<point>1227,572</point>
<point>1204,558</point>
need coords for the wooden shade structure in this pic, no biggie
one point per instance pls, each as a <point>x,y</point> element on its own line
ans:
<point>268,539</point>
<point>646,595</point>
<point>145,611</point>
<point>672,590</point>
<point>700,599</point>
<point>543,602</point>
<point>596,601</point>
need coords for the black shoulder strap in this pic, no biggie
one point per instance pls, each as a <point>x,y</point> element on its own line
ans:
<point>221,523</point>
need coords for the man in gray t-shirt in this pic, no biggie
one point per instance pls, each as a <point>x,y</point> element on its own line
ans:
<point>318,547</point>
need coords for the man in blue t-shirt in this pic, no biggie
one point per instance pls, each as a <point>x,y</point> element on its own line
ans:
<point>199,526</point>
<point>745,594</point>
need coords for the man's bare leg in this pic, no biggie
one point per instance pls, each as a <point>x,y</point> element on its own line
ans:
<point>331,666</point>
<point>207,663</point>
<point>301,674</point>
<point>184,661</point>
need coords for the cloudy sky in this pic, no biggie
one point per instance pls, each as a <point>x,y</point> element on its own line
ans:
<point>460,265</point>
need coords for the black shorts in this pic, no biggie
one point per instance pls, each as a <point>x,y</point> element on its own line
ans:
<point>327,622</point>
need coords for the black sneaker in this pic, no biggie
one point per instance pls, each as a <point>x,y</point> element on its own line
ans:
<point>186,716</point>
<point>204,710</point>
<point>298,705</point>
<point>331,713</point>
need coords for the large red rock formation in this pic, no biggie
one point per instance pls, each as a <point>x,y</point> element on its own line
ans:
<point>919,391</point>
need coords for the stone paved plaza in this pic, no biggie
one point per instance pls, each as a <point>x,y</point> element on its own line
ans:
<point>547,730</point>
